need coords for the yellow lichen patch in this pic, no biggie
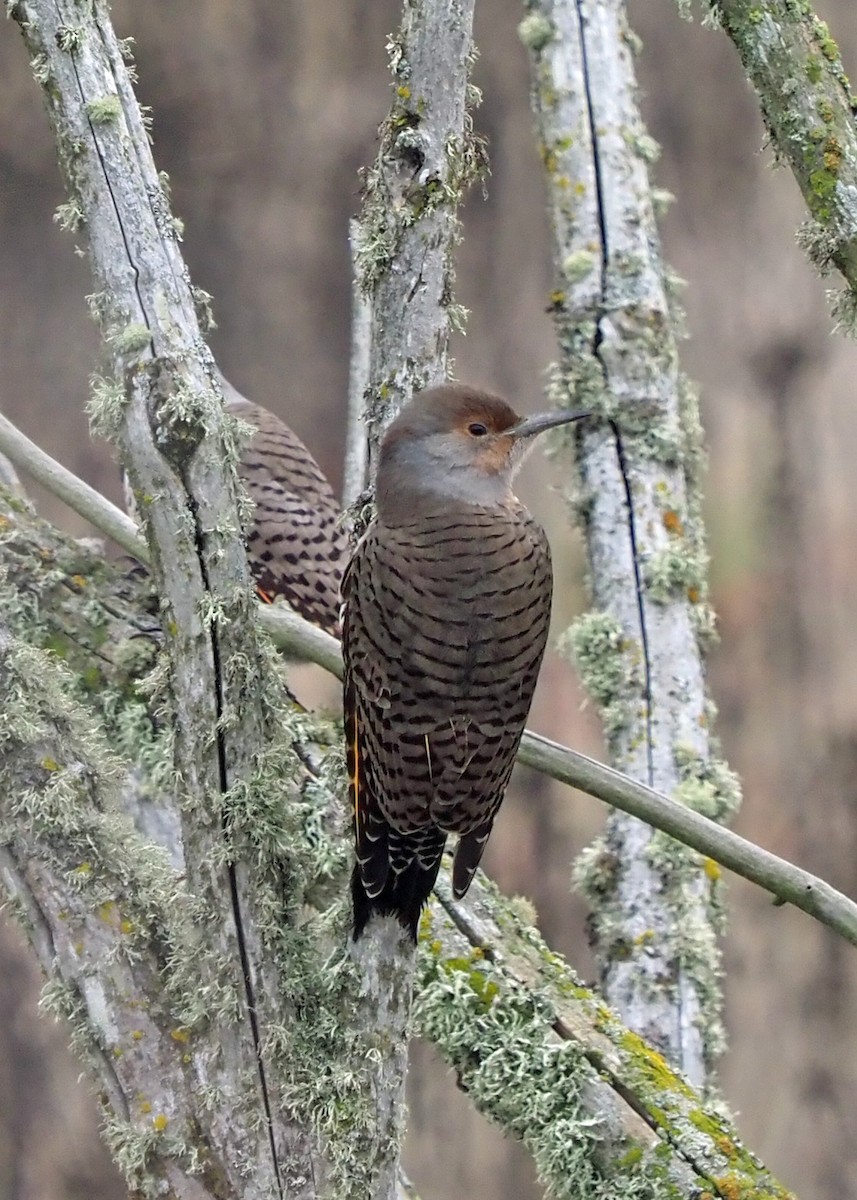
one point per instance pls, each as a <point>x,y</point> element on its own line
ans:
<point>145,1107</point>
<point>50,764</point>
<point>180,1035</point>
<point>160,1122</point>
<point>137,1035</point>
<point>403,92</point>
<point>3,523</point>
<point>126,926</point>
<point>107,912</point>
<point>711,869</point>
<point>85,868</point>
<point>672,522</point>
<point>78,581</point>
<point>693,594</point>
<point>832,154</point>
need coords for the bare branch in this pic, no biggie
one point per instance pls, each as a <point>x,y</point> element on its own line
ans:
<point>79,496</point>
<point>356,446</point>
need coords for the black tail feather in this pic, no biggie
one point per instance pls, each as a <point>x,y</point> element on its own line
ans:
<point>404,895</point>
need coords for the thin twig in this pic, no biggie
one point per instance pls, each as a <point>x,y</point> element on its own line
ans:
<point>356,443</point>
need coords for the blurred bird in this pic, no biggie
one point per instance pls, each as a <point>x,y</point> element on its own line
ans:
<point>297,545</point>
<point>446,605</point>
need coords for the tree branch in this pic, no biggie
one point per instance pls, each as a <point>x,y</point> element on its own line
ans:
<point>639,653</point>
<point>592,1097</point>
<point>808,107</point>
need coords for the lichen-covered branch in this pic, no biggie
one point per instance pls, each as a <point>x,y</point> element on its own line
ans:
<point>238,776</point>
<point>639,652</point>
<point>112,930</point>
<point>808,106</point>
<point>408,226</point>
<point>540,1054</point>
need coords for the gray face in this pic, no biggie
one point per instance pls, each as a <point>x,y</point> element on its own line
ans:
<point>454,444</point>
<point>449,465</point>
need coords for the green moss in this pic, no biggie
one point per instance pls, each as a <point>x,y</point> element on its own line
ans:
<point>652,1069</point>
<point>813,69</point>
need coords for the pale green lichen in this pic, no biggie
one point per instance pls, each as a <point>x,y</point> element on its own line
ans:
<point>609,666</point>
<point>536,31</point>
<point>69,38</point>
<point>675,571</point>
<point>130,339</point>
<point>104,109</point>
<point>69,216</point>
<point>708,784</point>
<point>578,265</point>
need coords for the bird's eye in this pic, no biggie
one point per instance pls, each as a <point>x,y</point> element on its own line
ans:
<point>477,429</point>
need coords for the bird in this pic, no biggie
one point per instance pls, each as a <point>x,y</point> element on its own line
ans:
<point>297,543</point>
<point>446,605</point>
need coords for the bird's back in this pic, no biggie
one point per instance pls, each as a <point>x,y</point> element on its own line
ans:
<point>296,545</point>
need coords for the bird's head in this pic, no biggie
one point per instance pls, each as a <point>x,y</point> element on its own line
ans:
<point>458,443</point>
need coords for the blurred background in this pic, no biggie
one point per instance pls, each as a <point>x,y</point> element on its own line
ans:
<point>262,119</point>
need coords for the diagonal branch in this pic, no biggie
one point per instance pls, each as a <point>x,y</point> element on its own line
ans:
<point>808,106</point>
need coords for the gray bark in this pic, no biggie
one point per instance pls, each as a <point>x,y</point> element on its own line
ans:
<point>408,226</point>
<point>639,653</point>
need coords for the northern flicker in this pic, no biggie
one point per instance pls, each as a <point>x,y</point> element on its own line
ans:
<point>297,546</point>
<point>446,607</point>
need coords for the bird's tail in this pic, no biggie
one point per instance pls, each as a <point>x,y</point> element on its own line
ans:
<point>409,880</point>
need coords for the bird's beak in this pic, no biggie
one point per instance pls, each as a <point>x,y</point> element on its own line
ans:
<point>541,421</point>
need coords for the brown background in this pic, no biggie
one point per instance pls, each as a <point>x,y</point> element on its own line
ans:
<point>263,113</point>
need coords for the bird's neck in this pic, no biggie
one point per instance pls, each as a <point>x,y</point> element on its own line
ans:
<point>401,498</point>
